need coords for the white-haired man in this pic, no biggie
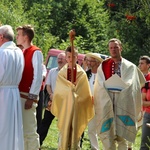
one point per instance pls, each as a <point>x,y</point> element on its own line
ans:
<point>50,86</point>
<point>11,68</point>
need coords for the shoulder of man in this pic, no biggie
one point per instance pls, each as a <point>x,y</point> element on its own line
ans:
<point>128,62</point>
<point>35,48</point>
<point>54,69</point>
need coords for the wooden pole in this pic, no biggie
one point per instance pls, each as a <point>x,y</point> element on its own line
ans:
<point>72,37</point>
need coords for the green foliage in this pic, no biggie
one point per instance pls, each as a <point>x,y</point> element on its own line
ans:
<point>95,23</point>
<point>86,17</point>
<point>11,13</point>
<point>38,16</point>
<point>130,23</point>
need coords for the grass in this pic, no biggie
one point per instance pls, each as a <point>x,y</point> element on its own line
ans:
<point>50,143</point>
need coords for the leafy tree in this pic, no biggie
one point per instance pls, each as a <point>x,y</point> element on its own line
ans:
<point>86,17</point>
<point>130,24</point>
<point>38,16</point>
<point>11,13</point>
<point>95,23</point>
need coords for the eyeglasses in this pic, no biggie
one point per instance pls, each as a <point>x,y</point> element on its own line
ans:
<point>61,58</point>
<point>91,60</point>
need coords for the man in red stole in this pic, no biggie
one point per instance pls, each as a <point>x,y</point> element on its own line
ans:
<point>30,85</point>
<point>117,99</point>
<point>72,103</point>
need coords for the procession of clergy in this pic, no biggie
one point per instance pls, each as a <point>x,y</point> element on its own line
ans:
<point>107,96</point>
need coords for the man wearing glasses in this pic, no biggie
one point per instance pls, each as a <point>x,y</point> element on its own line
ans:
<point>93,62</point>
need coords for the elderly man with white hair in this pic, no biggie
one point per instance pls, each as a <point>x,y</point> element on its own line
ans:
<point>11,68</point>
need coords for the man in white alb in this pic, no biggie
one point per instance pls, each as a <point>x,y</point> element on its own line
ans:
<point>11,68</point>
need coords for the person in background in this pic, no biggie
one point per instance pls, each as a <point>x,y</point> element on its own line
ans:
<point>39,108</point>
<point>72,108</point>
<point>84,64</point>
<point>144,68</point>
<point>144,65</point>
<point>85,68</point>
<point>11,69</point>
<point>117,99</point>
<point>93,62</point>
<point>20,46</point>
<point>30,85</point>
<point>50,86</point>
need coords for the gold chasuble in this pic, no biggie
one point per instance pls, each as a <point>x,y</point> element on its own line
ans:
<point>73,106</point>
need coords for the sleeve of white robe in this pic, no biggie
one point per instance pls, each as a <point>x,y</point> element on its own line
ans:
<point>1,70</point>
<point>37,61</point>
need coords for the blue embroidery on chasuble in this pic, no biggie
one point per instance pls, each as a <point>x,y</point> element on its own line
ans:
<point>127,120</point>
<point>106,125</point>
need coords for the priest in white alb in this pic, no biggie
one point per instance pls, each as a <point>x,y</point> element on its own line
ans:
<point>11,68</point>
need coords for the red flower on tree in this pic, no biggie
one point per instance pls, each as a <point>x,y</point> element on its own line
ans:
<point>111,5</point>
<point>130,17</point>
